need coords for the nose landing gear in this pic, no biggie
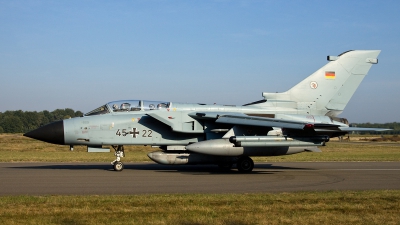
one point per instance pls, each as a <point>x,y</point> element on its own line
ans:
<point>119,153</point>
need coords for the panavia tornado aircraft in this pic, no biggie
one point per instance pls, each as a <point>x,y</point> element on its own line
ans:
<point>298,120</point>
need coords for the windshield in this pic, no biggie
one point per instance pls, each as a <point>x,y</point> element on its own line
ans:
<point>155,105</point>
<point>129,106</point>
<point>98,111</point>
<point>125,106</point>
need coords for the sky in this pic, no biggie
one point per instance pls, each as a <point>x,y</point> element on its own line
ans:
<point>82,54</point>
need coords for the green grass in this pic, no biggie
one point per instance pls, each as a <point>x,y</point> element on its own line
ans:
<point>349,207</point>
<point>336,151</point>
<point>333,207</point>
<point>16,148</point>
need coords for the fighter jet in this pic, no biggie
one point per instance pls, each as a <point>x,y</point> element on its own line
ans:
<point>295,121</point>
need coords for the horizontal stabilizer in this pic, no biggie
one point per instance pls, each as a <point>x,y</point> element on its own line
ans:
<point>362,129</point>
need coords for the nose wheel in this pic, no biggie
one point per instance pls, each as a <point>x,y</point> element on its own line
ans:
<point>119,153</point>
<point>118,166</point>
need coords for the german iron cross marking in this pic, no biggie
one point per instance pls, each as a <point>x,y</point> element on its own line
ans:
<point>134,133</point>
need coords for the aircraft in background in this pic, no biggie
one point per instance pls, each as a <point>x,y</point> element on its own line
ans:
<point>298,120</point>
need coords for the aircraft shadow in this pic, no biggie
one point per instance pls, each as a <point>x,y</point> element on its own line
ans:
<point>193,169</point>
<point>212,169</point>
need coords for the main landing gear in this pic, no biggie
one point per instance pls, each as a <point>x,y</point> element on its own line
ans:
<point>245,164</point>
<point>119,153</point>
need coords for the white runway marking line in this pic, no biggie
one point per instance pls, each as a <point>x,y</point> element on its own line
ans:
<point>313,170</point>
<point>367,169</point>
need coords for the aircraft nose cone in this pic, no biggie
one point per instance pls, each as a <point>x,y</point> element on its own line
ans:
<point>52,133</point>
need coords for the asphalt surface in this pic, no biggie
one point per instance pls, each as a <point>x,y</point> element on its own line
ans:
<point>150,178</point>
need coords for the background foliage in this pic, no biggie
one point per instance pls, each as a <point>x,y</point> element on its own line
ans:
<point>23,121</point>
<point>394,126</point>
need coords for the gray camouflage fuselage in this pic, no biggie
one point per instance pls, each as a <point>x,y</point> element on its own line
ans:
<point>294,121</point>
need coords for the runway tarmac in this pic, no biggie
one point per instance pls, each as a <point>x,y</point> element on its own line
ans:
<point>151,178</point>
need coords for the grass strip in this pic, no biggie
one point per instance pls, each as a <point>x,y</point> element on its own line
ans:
<point>333,207</point>
<point>16,148</point>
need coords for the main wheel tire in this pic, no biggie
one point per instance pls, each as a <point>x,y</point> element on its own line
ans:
<point>245,164</point>
<point>118,166</point>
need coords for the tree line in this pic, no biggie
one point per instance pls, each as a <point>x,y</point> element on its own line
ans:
<point>23,121</point>
<point>394,126</point>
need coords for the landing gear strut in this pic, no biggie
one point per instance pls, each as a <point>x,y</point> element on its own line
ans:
<point>245,164</point>
<point>119,153</point>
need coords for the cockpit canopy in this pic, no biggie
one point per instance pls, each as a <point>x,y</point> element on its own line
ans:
<point>129,106</point>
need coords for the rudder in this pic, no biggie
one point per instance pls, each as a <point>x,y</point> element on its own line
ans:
<point>329,89</point>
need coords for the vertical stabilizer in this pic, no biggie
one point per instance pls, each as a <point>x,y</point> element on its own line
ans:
<point>330,88</point>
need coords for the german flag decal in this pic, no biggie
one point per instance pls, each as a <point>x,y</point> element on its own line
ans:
<point>330,75</point>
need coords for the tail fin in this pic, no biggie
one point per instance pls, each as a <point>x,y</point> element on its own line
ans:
<point>329,89</point>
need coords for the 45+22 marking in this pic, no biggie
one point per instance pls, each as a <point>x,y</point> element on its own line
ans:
<point>134,132</point>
